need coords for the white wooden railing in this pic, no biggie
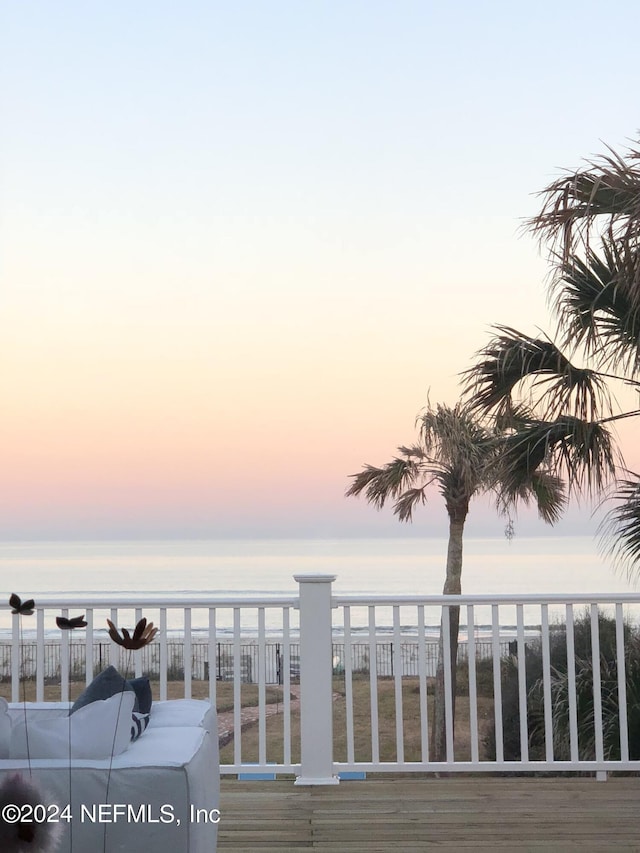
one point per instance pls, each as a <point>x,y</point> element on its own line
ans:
<point>314,620</point>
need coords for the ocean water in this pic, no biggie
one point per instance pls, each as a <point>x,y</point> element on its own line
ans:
<point>392,566</point>
<point>398,565</point>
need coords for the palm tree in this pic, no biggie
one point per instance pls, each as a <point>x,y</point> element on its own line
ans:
<point>462,457</point>
<point>590,222</point>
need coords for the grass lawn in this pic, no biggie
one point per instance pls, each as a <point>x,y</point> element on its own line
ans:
<point>362,725</point>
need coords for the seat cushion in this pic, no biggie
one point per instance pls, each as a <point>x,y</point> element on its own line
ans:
<point>184,712</point>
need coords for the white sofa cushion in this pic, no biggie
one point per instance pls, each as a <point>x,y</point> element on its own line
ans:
<point>184,712</point>
<point>97,730</point>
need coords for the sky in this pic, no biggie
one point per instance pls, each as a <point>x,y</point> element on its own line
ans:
<point>242,243</point>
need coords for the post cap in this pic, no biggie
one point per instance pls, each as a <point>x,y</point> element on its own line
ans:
<point>312,578</point>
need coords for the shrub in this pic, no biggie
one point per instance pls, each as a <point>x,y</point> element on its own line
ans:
<point>560,694</point>
<point>484,677</point>
<point>610,706</point>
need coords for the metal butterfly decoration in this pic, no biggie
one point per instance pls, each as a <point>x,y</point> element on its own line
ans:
<point>24,608</point>
<point>143,634</point>
<point>69,624</point>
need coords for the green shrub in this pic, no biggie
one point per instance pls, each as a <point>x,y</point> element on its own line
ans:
<point>560,693</point>
<point>610,706</point>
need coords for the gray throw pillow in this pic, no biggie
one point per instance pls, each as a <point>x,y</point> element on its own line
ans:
<point>105,685</point>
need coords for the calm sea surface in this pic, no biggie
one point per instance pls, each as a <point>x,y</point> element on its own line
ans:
<point>412,565</point>
<point>544,564</point>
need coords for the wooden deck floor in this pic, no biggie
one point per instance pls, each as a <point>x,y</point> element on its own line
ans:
<point>396,815</point>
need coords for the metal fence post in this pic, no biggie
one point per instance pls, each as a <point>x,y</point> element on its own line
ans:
<point>316,686</point>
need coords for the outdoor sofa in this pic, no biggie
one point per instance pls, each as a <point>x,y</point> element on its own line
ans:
<point>165,783</point>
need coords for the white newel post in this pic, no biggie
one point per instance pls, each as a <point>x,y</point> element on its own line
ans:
<point>316,686</point>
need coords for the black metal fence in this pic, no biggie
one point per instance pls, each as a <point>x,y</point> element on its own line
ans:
<point>106,653</point>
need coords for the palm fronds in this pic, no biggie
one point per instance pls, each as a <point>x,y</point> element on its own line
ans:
<point>599,293</point>
<point>606,188</point>
<point>546,490</point>
<point>621,525</point>
<point>462,454</point>
<point>460,442</point>
<point>511,358</point>
<point>388,481</point>
<point>407,502</point>
<point>581,451</point>
<point>558,412</point>
<point>597,307</point>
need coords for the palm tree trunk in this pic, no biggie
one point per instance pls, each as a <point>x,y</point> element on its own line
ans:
<point>452,586</point>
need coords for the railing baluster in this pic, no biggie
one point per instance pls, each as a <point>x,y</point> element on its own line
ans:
<point>497,682</point>
<point>16,657</point>
<point>546,680</point>
<point>597,686</point>
<point>137,655</point>
<point>64,660</point>
<point>448,683</point>
<point>88,647</point>
<point>40,655</point>
<point>473,687</point>
<point>262,688</point>
<point>286,683</point>
<point>186,657</point>
<point>211,655</point>
<point>348,685</point>
<point>422,677</point>
<point>622,685</point>
<point>115,651</point>
<point>373,686</point>
<point>397,675</point>
<point>522,685</point>
<point>164,653</point>
<point>237,689</point>
<point>571,684</point>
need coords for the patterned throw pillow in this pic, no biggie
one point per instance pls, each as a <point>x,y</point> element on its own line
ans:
<point>142,688</point>
<point>139,723</point>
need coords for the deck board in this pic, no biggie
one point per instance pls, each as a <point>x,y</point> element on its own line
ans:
<point>394,815</point>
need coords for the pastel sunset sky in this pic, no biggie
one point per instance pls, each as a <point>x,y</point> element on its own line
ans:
<point>241,241</point>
